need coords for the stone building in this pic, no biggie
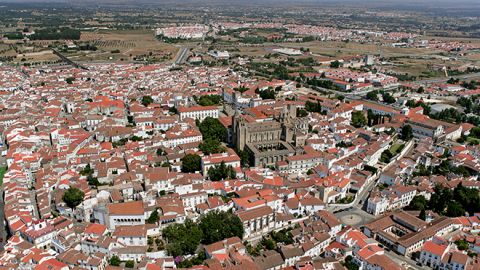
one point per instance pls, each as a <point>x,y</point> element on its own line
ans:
<point>269,141</point>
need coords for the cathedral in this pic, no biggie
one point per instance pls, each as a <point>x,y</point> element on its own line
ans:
<point>271,140</point>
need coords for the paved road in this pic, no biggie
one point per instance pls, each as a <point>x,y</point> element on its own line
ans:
<point>407,262</point>
<point>444,79</point>
<point>68,61</point>
<point>181,56</point>
<point>354,210</point>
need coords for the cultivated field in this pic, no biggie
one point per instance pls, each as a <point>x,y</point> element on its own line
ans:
<point>131,43</point>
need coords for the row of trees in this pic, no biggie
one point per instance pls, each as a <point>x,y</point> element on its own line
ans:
<point>470,104</point>
<point>221,172</point>
<point>452,203</point>
<point>183,239</point>
<point>55,34</point>
<point>386,97</point>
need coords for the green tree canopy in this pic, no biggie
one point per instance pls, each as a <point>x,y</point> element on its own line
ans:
<point>147,100</point>
<point>191,163</point>
<point>418,203</point>
<point>211,128</point>
<point>221,172</point>
<point>210,146</point>
<point>129,264</point>
<point>217,225</point>
<point>301,112</point>
<point>267,94</point>
<point>335,64</point>
<point>373,95</point>
<point>358,119</point>
<point>407,132</point>
<point>153,218</point>
<point>209,100</point>
<point>115,260</point>
<point>182,239</point>
<point>73,197</point>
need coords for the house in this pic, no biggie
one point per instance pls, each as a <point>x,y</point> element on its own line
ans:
<point>127,214</point>
<point>135,235</point>
<point>198,112</point>
<point>257,221</point>
<point>229,158</point>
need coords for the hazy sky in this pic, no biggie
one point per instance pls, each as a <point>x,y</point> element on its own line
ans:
<point>436,4</point>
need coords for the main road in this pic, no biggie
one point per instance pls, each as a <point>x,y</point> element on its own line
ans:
<point>181,56</point>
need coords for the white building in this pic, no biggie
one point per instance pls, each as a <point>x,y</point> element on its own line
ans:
<point>125,214</point>
<point>40,234</point>
<point>198,112</point>
<point>230,158</point>
<point>131,235</point>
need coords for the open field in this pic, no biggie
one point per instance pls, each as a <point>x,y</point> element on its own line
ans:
<point>129,43</point>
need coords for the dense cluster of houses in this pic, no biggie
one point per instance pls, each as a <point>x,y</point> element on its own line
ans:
<point>94,130</point>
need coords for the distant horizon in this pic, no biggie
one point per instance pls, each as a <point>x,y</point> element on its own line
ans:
<point>354,2</point>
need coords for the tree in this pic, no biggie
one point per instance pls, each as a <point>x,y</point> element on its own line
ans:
<point>73,197</point>
<point>438,200</point>
<point>313,107</point>
<point>301,112</point>
<point>350,264</point>
<point>209,100</point>
<point>423,214</point>
<point>386,156</point>
<point>358,119</point>
<point>153,218</point>
<point>115,260</point>
<point>147,100</point>
<point>56,33</point>
<point>182,239</point>
<point>267,94</point>
<point>129,264</point>
<point>211,146</point>
<point>244,158</point>
<point>87,170</point>
<point>218,225</point>
<point>387,98</point>
<point>191,163</point>
<point>282,236</point>
<point>335,64</point>
<point>455,209</point>
<point>221,172</point>
<point>211,128</point>
<point>268,243</point>
<point>417,203</point>
<point>407,132</point>
<point>469,198</point>
<point>70,80</point>
<point>462,244</point>
<point>373,95</point>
